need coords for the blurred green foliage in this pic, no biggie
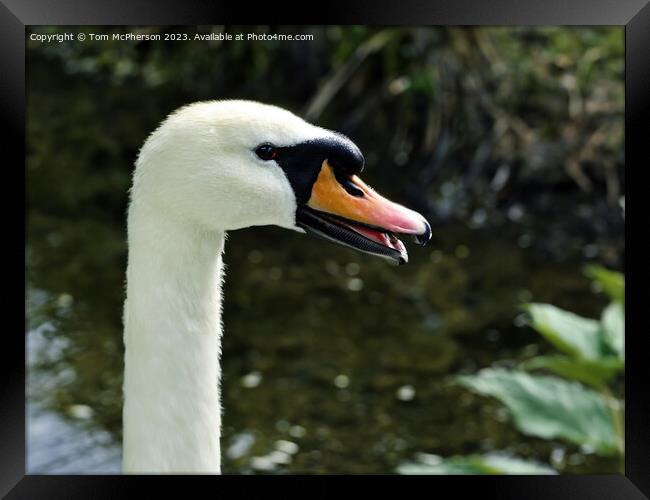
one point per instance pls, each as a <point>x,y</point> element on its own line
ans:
<point>550,407</point>
<point>492,463</point>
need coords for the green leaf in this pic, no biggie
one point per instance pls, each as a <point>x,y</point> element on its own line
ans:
<point>613,283</point>
<point>568,332</point>
<point>549,407</point>
<point>613,321</point>
<point>594,373</point>
<point>477,464</point>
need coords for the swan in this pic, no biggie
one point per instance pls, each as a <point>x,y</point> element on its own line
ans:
<point>211,167</point>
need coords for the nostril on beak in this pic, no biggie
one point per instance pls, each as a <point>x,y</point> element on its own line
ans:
<point>348,185</point>
<point>424,238</point>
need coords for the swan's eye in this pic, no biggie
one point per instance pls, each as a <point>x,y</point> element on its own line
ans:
<point>266,152</point>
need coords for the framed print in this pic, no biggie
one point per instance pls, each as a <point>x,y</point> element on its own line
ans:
<point>386,241</point>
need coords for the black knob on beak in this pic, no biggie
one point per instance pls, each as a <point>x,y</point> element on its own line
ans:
<point>345,157</point>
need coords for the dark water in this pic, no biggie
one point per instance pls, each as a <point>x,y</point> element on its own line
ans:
<point>333,361</point>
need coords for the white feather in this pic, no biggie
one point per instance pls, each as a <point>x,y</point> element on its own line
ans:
<point>196,177</point>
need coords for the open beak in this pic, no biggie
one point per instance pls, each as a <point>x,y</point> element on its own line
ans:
<point>342,208</point>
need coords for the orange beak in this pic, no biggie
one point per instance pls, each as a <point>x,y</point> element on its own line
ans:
<point>347,202</point>
<point>329,196</point>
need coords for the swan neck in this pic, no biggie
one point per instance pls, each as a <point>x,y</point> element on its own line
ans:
<point>172,339</point>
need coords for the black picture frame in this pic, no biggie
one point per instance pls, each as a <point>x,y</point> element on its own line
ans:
<point>634,15</point>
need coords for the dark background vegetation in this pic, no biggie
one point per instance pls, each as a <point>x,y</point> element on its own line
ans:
<point>510,141</point>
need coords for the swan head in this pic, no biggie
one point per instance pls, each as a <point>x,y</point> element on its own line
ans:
<point>226,165</point>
